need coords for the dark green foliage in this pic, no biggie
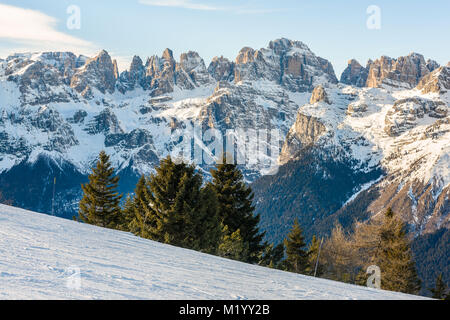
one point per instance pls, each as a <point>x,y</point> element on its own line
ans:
<point>432,254</point>
<point>177,210</point>
<point>100,204</point>
<point>127,214</point>
<point>297,256</point>
<point>313,255</point>
<point>346,216</point>
<point>440,290</point>
<point>272,257</point>
<point>138,220</point>
<point>5,201</point>
<point>236,210</point>
<point>29,185</point>
<point>394,257</point>
<point>311,188</point>
<point>232,245</point>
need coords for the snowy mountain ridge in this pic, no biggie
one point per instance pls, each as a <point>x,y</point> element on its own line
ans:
<point>59,111</point>
<point>406,132</point>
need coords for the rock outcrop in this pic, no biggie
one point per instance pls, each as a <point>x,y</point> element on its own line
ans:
<point>355,74</point>
<point>319,94</point>
<point>134,77</point>
<point>305,132</point>
<point>288,63</point>
<point>438,81</point>
<point>401,72</point>
<point>221,69</point>
<point>99,73</point>
<point>406,112</point>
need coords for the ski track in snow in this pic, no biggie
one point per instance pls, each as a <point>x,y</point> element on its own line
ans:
<point>37,252</point>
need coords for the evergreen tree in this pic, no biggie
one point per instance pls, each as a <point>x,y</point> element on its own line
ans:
<point>100,204</point>
<point>235,207</point>
<point>393,256</point>
<point>232,245</point>
<point>178,211</point>
<point>313,255</point>
<point>440,289</point>
<point>296,255</point>
<point>140,201</point>
<point>272,257</point>
<point>127,214</point>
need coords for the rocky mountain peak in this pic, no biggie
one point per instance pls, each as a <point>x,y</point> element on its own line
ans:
<point>432,65</point>
<point>168,55</point>
<point>98,72</point>
<point>355,74</point>
<point>191,60</point>
<point>401,72</point>
<point>283,45</point>
<point>129,79</point>
<point>221,69</point>
<point>437,81</point>
<point>192,64</point>
<point>246,55</point>
<point>288,63</point>
<point>136,65</point>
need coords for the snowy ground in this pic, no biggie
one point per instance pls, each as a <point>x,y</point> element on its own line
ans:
<point>40,257</point>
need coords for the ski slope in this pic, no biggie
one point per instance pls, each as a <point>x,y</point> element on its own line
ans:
<point>40,256</point>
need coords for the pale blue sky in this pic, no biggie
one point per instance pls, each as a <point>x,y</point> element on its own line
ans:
<point>335,30</point>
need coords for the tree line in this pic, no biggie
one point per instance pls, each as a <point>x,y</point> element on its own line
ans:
<point>175,206</point>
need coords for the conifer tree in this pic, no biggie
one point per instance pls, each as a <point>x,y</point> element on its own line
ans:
<point>272,256</point>
<point>100,204</point>
<point>178,210</point>
<point>127,214</point>
<point>393,256</point>
<point>440,289</point>
<point>235,207</point>
<point>313,255</point>
<point>140,201</point>
<point>296,255</point>
<point>232,245</point>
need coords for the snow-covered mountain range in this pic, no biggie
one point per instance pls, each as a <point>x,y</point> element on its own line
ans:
<point>58,110</point>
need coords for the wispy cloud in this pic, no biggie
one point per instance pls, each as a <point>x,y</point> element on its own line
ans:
<point>31,30</point>
<point>188,4</point>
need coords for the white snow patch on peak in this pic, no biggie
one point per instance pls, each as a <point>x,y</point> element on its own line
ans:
<point>420,138</point>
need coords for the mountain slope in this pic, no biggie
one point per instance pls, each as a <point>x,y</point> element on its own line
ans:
<point>38,251</point>
<point>66,109</point>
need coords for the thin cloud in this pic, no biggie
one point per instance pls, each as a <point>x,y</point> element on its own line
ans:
<point>188,4</point>
<point>31,30</point>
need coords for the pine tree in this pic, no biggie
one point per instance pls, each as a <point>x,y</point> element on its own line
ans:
<point>206,222</point>
<point>272,257</point>
<point>100,204</point>
<point>296,255</point>
<point>440,289</point>
<point>235,207</point>
<point>313,255</point>
<point>393,256</point>
<point>127,214</point>
<point>232,245</point>
<point>178,210</point>
<point>140,201</point>
<point>163,187</point>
